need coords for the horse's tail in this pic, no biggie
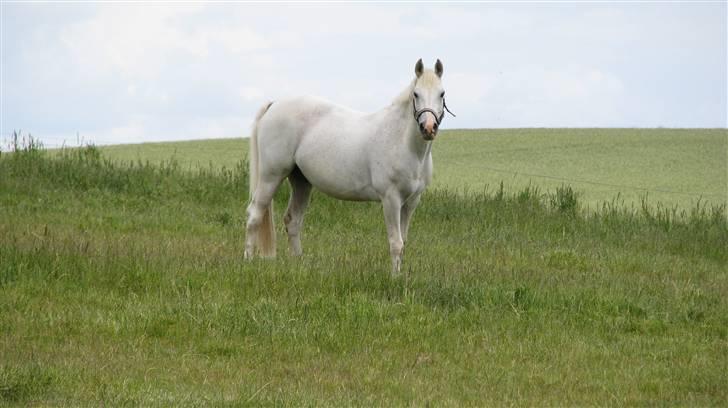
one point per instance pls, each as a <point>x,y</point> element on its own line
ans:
<point>266,236</point>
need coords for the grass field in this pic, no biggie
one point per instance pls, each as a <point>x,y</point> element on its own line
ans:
<point>124,284</point>
<point>676,167</point>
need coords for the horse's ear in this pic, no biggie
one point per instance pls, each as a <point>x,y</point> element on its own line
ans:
<point>419,67</point>
<point>438,68</point>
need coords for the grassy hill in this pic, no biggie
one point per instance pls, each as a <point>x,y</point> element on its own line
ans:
<point>670,166</point>
<point>124,284</point>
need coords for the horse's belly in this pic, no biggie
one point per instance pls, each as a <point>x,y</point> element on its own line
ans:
<point>337,180</point>
<point>364,194</point>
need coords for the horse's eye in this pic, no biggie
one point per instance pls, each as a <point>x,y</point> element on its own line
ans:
<point>442,95</point>
<point>417,95</point>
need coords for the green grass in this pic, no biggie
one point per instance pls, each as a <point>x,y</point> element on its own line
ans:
<point>675,167</point>
<point>124,284</point>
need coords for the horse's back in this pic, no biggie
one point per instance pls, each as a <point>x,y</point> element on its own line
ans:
<point>324,140</point>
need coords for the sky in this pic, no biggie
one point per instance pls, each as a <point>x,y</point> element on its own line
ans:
<point>109,73</point>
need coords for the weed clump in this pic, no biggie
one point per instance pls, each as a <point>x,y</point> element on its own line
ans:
<point>565,201</point>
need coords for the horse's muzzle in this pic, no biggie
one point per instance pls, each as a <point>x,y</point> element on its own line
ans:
<point>428,129</point>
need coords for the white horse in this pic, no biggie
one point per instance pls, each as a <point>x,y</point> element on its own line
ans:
<point>349,155</point>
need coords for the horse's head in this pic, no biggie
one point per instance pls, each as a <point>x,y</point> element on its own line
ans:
<point>428,99</point>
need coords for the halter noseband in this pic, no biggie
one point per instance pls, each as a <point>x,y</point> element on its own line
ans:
<point>438,118</point>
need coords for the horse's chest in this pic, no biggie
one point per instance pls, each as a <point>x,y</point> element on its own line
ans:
<point>412,180</point>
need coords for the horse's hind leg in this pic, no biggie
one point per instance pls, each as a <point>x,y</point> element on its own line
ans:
<point>300,193</point>
<point>259,229</point>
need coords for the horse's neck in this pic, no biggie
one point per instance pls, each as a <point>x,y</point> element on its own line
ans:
<point>403,133</point>
<point>406,133</point>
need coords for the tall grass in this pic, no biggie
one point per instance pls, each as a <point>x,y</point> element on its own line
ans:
<point>85,169</point>
<point>123,283</point>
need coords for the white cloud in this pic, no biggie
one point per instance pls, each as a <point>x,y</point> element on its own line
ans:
<point>235,40</point>
<point>251,93</point>
<point>145,41</point>
<point>140,71</point>
<point>128,41</point>
<point>536,96</point>
<point>134,132</point>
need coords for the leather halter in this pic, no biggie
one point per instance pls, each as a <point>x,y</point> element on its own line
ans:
<point>438,118</point>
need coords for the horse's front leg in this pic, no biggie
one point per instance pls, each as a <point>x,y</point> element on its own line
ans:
<point>407,210</point>
<point>392,205</point>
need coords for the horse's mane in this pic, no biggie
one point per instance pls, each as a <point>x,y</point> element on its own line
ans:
<point>427,79</point>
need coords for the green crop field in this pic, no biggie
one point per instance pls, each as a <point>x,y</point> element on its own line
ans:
<point>122,280</point>
<point>675,167</point>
